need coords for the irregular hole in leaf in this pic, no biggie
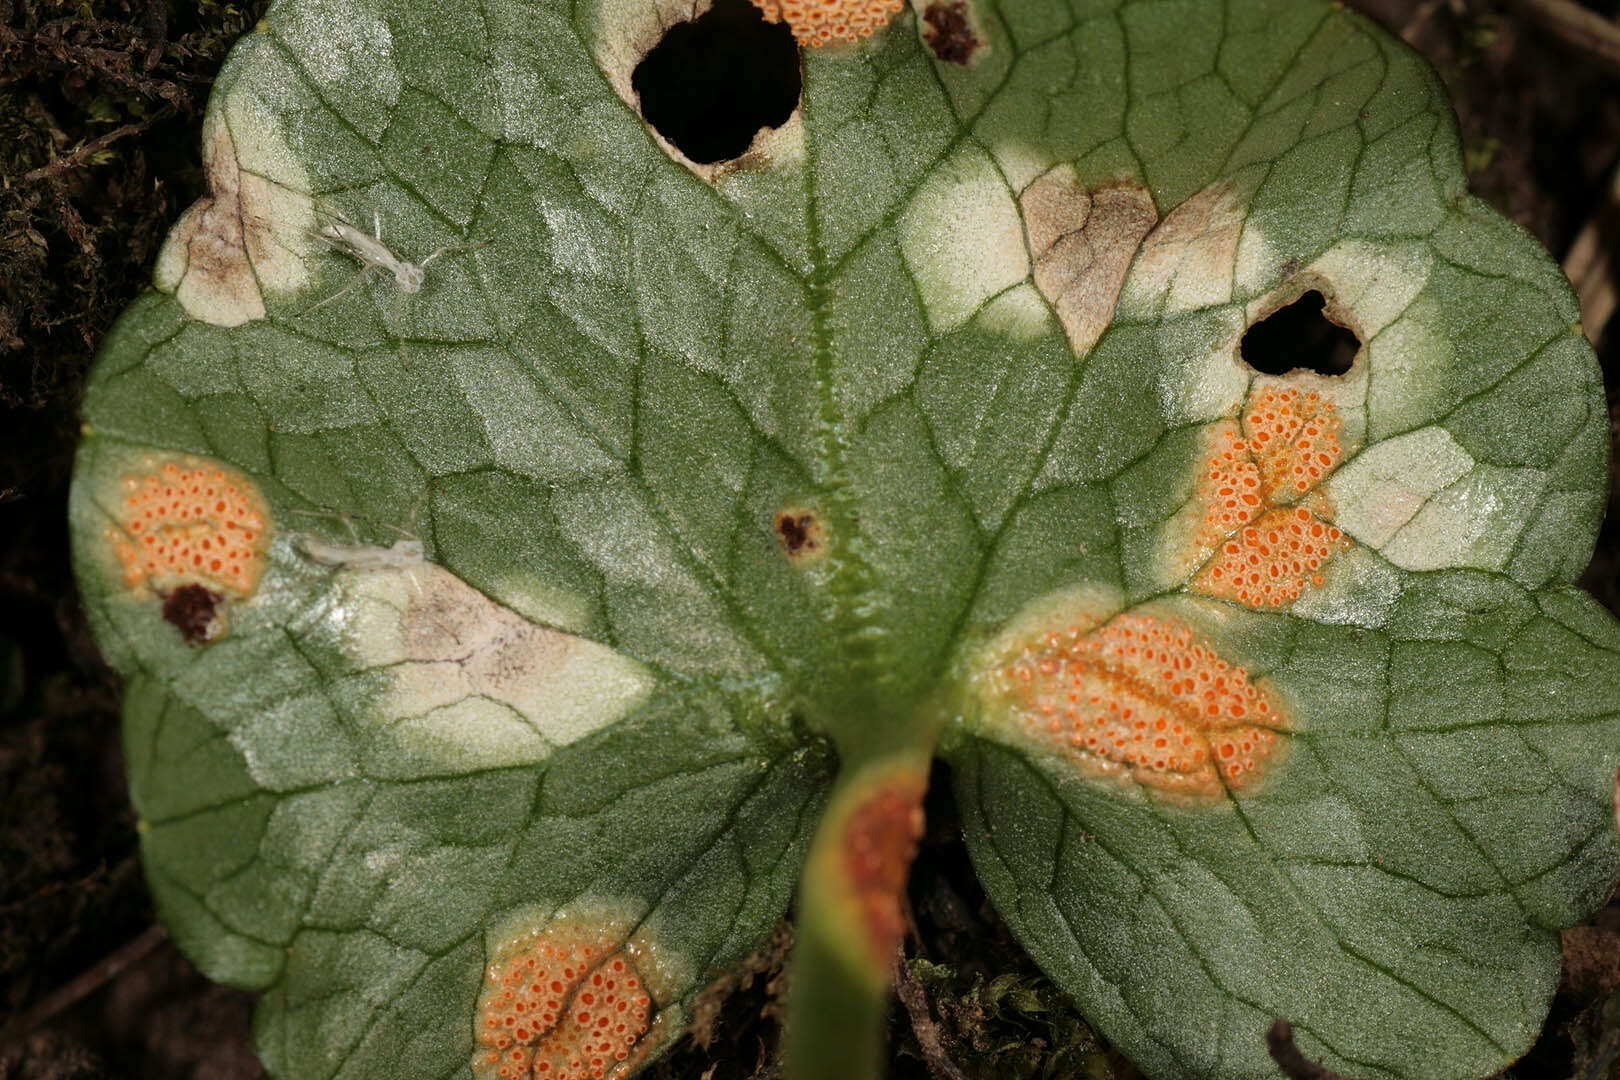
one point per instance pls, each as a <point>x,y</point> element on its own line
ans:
<point>1300,336</point>
<point>197,611</point>
<point>712,83</point>
<point>1082,243</point>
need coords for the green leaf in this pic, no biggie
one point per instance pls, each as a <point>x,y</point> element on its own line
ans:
<point>617,548</point>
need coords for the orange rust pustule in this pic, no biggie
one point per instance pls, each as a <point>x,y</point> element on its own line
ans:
<point>1142,697</point>
<point>561,1009</point>
<point>1229,488</point>
<point>192,525</point>
<point>826,22</point>
<point>1273,561</point>
<point>1267,552</point>
<point>1294,437</point>
<point>879,842</point>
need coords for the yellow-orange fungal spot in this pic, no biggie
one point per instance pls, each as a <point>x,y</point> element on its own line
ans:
<point>827,22</point>
<point>879,842</point>
<point>1229,488</point>
<point>1294,438</point>
<point>192,523</point>
<point>1272,562</point>
<point>537,1019</point>
<point>1143,698</point>
<point>1265,553</point>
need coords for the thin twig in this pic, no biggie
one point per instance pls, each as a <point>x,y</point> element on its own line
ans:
<point>1584,31</point>
<point>105,971</point>
<point>1590,264</point>
<point>911,995</point>
<point>1289,1058</point>
<point>100,142</point>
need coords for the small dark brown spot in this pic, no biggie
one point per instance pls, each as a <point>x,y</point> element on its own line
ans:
<point>950,33</point>
<point>800,532</point>
<point>197,612</point>
<point>795,530</point>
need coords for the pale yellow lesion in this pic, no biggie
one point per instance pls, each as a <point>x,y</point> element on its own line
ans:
<point>963,239</point>
<point>251,234</point>
<point>466,682</point>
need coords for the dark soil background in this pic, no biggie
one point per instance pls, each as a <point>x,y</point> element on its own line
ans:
<point>100,106</point>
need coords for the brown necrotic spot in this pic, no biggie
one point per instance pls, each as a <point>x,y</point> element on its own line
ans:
<point>801,533</point>
<point>1082,243</point>
<point>712,83</point>
<point>197,612</point>
<point>1304,335</point>
<point>950,33</point>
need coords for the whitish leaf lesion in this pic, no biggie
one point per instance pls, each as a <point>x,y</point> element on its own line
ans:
<point>466,682</point>
<point>249,234</point>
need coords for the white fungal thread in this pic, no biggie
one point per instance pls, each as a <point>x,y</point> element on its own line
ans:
<point>406,553</point>
<point>402,554</point>
<point>374,255</point>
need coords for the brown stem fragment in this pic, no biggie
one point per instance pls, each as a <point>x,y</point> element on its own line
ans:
<point>105,971</point>
<point>1290,1059</point>
<point>100,142</point>
<point>912,996</point>
<point>1578,29</point>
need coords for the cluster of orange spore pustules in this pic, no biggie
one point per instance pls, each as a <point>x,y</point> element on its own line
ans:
<point>192,524</point>
<point>826,22</point>
<point>1141,695</point>
<point>1266,554</point>
<point>561,1009</point>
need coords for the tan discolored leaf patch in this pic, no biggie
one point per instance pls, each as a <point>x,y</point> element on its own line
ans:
<point>1190,258</point>
<point>1082,243</point>
<point>470,683</point>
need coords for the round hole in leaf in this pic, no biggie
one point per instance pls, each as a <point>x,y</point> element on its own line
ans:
<point>1300,336</point>
<point>711,83</point>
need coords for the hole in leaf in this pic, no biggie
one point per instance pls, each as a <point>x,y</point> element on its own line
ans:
<point>1300,336</point>
<point>710,84</point>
